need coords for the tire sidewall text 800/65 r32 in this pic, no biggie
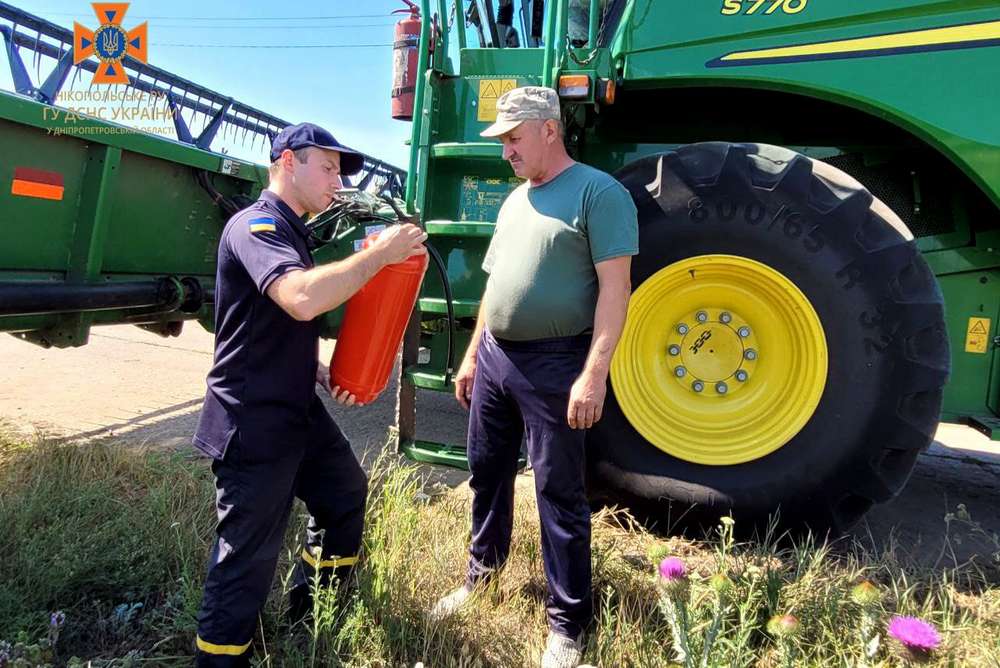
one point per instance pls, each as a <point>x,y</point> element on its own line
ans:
<point>881,313</point>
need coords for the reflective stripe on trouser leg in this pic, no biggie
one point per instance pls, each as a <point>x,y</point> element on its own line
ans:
<point>227,650</point>
<point>341,567</point>
<point>335,562</point>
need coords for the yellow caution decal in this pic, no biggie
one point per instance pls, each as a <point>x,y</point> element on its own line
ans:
<point>490,91</point>
<point>977,336</point>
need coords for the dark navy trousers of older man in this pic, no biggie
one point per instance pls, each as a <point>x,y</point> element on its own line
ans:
<point>539,310</point>
<point>522,388</point>
<point>270,436</point>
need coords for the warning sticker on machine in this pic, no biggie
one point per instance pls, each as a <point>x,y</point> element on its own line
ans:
<point>482,197</point>
<point>230,167</point>
<point>490,91</point>
<point>977,335</point>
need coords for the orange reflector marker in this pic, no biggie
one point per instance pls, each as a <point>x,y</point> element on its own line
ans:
<point>37,183</point>
<point>574,85</point>
<point>39,190</point>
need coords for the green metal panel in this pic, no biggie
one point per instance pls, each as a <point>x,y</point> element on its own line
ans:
<point>971,295</point>
<point>43,246</point>
<point>947,97</point>
<point>131,211</point>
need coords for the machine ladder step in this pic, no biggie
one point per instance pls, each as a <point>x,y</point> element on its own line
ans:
<point>986,424</point>
<point>459,228</point>
<point>467,150</point>
<point>428,380</point>
<point>463,308</point>
<point>429,452</point>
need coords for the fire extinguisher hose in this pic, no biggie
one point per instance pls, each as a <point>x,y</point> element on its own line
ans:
<point>443,273</point>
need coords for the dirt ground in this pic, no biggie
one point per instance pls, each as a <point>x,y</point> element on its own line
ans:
<point>133,384</point>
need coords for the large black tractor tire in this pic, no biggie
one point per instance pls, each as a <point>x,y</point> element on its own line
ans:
<point>882,317</point>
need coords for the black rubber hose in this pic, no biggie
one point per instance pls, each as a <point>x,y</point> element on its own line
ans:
<point>443,273</point>
<point>449,303</point>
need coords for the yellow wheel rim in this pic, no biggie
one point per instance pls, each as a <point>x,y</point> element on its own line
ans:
<point>722,360</point>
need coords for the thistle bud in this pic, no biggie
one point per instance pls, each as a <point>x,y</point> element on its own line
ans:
<point>865,594</point>
<point>783,626</point>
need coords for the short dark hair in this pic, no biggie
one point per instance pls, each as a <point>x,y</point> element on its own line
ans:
<point>301,154</point>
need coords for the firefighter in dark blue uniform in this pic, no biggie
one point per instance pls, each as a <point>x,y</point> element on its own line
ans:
<point>263,424</point>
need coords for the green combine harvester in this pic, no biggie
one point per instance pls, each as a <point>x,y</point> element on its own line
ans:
<point>817,182</point>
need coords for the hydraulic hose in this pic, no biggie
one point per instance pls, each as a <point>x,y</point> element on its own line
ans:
<point>449,301</point>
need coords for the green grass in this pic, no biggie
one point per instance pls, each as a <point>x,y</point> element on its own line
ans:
<point>117,537</point>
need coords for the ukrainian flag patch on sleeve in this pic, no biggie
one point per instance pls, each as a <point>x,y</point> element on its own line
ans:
<point>262,225</point>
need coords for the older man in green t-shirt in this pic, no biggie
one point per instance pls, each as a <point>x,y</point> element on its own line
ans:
<point>538,362</point>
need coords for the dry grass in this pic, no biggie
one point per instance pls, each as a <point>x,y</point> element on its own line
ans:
<point>95,530</point>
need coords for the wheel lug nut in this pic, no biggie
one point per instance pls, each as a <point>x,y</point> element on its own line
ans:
<point>744,332</point>
<point>697,386</point>
<point>674,350</point>
<point>750,354</point>
<point>725,318</point>
<point>721,388</point>
<point>680,372</point>
<point>682,329</point>
<point>701,316</point>
<point>742,376</point>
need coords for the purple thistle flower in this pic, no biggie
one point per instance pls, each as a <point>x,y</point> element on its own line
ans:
<point>915,634</point>
<point>673,569</point>
<point>57,619</point>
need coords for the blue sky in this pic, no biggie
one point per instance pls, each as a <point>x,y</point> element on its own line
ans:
<point>345,89</point>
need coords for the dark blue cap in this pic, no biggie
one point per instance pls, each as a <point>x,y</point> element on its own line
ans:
<point>309,134</point>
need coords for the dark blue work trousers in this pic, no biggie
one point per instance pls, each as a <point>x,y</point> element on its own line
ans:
<point>262,472</point>
<point>522,387</point>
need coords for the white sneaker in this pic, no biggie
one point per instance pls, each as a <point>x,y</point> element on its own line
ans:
<point>562,652</point>
<point>449,605</point>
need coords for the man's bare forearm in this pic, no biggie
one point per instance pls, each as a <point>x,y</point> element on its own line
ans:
<point>609,321</point>
<point>315,291</point>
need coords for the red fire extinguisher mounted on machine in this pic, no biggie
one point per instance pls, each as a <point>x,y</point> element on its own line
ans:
<point>404,62</point>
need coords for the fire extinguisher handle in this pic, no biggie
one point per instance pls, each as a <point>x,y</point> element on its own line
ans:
<point>411,8</point>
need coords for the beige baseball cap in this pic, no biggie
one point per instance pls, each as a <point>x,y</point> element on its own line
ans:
<point>528,103</point>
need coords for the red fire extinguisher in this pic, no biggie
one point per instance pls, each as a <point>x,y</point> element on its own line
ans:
<point>374,321</point>
<point>404,62</point>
